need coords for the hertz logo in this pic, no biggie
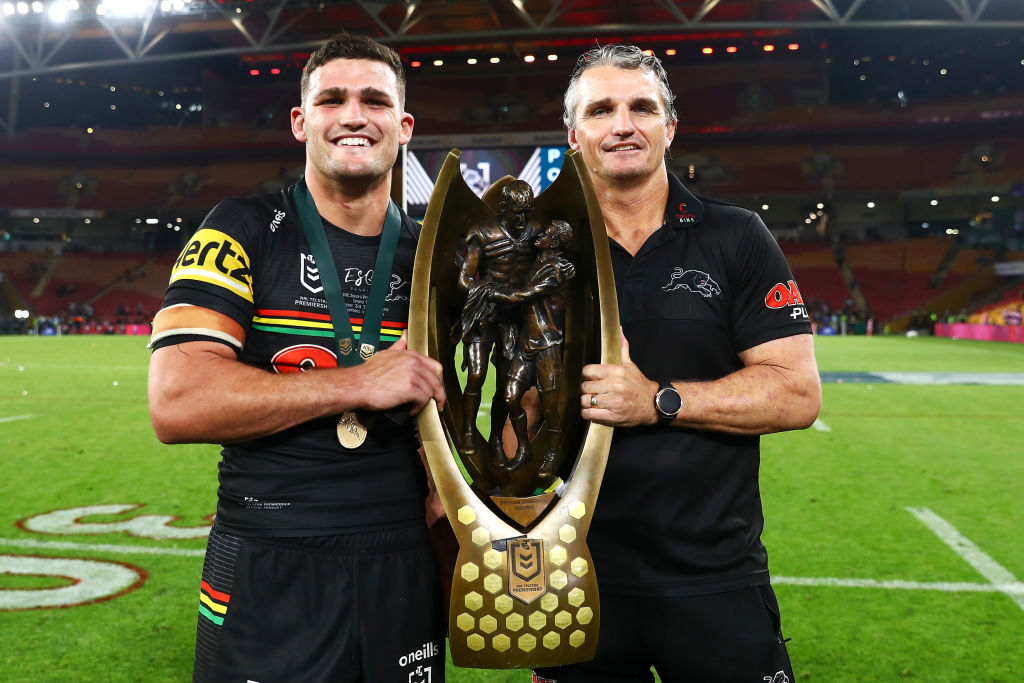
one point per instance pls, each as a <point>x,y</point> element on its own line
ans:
<point>215,258</point>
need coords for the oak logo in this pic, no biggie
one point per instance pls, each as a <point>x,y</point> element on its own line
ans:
<point>782,295</point>
<point>215,258</point>
<point>303,357</point>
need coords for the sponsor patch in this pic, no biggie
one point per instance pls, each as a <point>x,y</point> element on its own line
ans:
<point>215,258</point>
<point>788,294</point>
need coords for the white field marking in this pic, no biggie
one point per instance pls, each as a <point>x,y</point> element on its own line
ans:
<point>898,584</point>
<point>15,418</point>
<point>105,547</point>
<point>1014,588</point>
<point>92,580</point>
<point>69,522</point>
<point>821,426</point>
<point>997,574</point>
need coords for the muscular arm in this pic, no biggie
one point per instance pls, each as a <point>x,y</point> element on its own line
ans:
<point>471,264</point>
<point>551,276</point>
<point>778,389</point>
<point>200,393</point>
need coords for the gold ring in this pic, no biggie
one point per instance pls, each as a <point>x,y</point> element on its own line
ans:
<point>593,400</point>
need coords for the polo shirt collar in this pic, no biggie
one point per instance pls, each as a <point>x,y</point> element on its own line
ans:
<point>684,209</point>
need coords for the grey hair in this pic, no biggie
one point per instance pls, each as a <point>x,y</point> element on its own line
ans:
<point>623,57</point>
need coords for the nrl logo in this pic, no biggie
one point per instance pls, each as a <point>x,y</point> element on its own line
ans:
<point>309,274</point>
<point>526,579</point>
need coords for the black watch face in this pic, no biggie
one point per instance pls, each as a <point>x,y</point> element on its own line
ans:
<point>669,401</point>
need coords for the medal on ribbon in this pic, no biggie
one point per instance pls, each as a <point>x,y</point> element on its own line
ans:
<point>351,432</point>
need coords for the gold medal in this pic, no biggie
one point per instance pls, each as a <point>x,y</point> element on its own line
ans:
<point>351,433</point>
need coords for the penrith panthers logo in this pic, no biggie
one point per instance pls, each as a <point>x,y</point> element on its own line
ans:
<point>695,281</point>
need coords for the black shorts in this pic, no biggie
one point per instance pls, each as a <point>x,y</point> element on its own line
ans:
<point>359,607</point>
<point>719,638</point>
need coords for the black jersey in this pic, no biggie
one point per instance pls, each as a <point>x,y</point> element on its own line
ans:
<point>250,261</point>
<point>679,512</point>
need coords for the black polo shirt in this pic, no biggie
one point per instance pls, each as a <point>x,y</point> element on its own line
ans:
<point>679,511</point>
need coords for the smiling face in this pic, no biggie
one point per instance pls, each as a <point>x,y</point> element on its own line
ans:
<point>621,127</point>
<point>351,120</point>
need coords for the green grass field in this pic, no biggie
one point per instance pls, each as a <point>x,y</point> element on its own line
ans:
<point>893,525</point>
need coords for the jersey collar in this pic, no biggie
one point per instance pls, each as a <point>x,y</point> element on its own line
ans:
<point>683,209</point>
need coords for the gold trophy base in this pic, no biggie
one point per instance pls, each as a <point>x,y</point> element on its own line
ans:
<point>529,598</point>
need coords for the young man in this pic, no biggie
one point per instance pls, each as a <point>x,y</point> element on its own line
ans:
<point>318,567</point>
<point>719,353</point>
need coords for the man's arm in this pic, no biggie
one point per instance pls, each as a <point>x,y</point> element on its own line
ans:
<point>200,393</point>
<point>778,389</point>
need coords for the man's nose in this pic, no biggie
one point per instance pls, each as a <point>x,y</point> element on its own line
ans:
<point>353,115</point>
<point>622,122</point>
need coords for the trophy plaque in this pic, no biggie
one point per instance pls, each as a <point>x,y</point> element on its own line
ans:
<point>519,289</point>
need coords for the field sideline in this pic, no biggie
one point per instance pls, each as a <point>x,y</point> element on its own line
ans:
<point>893,525</point>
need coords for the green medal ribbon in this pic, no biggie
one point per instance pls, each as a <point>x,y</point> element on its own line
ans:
<point>313,227</point>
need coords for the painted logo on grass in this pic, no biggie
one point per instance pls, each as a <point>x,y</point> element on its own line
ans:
<point>69,582</point>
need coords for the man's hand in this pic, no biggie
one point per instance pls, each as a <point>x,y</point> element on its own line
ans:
<point>398,376</point>
<point>624,396</point>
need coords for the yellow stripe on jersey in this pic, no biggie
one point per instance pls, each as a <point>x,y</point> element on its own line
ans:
<point>215,258</point>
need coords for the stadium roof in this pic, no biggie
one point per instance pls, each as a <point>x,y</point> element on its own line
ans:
<point>61,36</point>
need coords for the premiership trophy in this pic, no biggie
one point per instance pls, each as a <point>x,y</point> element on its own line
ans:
<point>518,288</point>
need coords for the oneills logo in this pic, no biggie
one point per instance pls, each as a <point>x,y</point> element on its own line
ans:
<point>525,569</point>
<point>217,259</point>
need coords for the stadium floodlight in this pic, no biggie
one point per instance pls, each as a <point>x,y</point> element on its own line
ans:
<point>124,9</point>
<point>60,10</point>
<point>21,314</point>
<point>8,9</point>
<point>22,7</point>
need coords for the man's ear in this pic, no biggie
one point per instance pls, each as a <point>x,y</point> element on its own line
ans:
<point>670,134</point>
<point>298,121</point>
<point>572,140</point>
<point>407,123</point>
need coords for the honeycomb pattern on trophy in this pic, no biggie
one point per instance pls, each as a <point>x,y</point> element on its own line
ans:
<point>546,616</point>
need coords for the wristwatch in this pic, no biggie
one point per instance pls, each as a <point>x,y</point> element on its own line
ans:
<point>667,402</point>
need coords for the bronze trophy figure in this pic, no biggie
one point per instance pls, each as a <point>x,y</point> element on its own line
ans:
<point>497,253</point>
<point>524,284</point>
<point>537,355</point>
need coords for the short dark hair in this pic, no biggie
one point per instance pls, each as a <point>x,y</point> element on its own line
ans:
<point>623,57</point>
<point>352,46</point>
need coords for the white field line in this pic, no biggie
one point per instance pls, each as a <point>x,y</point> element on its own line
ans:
<point>998,575</point>
<point>15,418</point>
<point>1012,588</point>
<point>105,547</point>
<point>821,426</point>
<point>897,584</point>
